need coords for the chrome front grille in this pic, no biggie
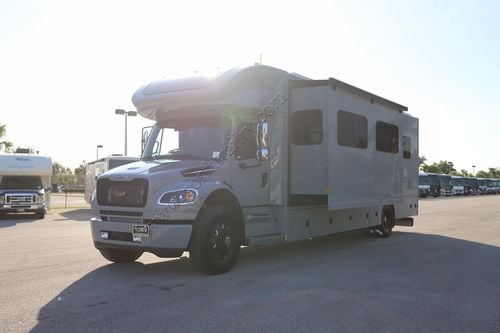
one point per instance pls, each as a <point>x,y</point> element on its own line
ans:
<point>20,199</point>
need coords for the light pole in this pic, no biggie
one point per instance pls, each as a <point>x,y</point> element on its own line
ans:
<point>473,167</point>
<point>126,114</point>
<point>97,151</point>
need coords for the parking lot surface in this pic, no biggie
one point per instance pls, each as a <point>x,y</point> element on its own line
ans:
<point>441,275</point>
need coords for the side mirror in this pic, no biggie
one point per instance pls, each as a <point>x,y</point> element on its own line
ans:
<point>262,134</point>
<point>145,136</point>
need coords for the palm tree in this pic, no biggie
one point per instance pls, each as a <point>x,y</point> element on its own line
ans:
<point>5,145</point>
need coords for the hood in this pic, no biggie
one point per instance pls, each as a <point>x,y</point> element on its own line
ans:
<point>149,169</point>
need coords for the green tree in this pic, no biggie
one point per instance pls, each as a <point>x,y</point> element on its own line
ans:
<point>491,173</point>
<point>80,173</point>
<point>441,167</point>
<point>421,161</point>
<point>62,175</point>
<point>6,146</point>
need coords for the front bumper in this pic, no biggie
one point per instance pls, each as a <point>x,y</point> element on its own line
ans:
<point>161,236</point>
<point>33,208</point>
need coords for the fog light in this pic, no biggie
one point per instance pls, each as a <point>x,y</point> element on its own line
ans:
<point>136,238</point>
<point>104,235</point>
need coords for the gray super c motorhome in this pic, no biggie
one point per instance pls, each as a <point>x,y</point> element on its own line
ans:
<point>256,156</point>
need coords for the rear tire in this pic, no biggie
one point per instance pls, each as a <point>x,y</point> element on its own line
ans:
<point>216,240</point>
<point>386,223</point>
<point>120,256</point>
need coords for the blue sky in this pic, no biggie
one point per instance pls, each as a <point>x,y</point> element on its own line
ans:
<point>66,65</point>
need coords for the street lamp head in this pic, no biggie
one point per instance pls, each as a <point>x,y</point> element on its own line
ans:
<point>99,146</point>
<point>119,111</point>
<point>132,113</point>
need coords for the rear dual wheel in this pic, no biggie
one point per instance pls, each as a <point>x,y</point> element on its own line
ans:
<point>386,223</point>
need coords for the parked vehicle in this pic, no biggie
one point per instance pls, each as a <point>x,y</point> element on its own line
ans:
<point>446,186</point>
<point>95,168</point>
<point>471,186</point>
<point>496,185</point>
<point>25,184</point>
<point>330,158</point>
<point>492,185</point>
<point>435,184</point>
<point>457,184</point>
<point>424,185</point>
<point>483,185</point>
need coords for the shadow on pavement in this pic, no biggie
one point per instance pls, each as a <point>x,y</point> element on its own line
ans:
<point>77,214</point>
<point>408,282</point>
<point>10,220</point>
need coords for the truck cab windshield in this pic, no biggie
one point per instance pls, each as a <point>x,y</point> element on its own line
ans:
<point>195,139</point>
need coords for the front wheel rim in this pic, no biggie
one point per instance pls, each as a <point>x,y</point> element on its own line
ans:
<point>221,242</point>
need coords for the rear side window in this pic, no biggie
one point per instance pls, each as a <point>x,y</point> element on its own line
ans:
<point>406,147</point>
<point>307,127</point>
<point>352,130</point>
<point>387,137</point>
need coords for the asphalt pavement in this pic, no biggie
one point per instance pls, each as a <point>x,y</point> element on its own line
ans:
<point>441,275</point>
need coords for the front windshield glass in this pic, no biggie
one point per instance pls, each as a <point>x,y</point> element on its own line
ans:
<point>423,180</point>
<point>21,183</point>
<point>457,181</point>
<point>198,139</point>
<point>445,180</point>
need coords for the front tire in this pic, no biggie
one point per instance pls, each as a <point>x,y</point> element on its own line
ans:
<point>216,240</point>
<point>120,256</point>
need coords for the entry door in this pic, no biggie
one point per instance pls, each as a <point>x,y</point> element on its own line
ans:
<point>249,177</point>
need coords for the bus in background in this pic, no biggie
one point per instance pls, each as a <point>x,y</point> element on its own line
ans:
<point>492,184</point>
<point>424,186</point>
<point>471,186</point>
<point>458,185</point>
<point>483,185</point>
<point>446,187</point>
<point>435,184</point>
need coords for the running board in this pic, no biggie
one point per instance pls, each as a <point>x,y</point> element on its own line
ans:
<point>265,240</point>
<point>406,222</point>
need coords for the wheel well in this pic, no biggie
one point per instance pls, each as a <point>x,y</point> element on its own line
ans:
<point>226,198</point>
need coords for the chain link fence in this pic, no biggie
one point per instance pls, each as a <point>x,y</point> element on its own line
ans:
<point>68,200</point>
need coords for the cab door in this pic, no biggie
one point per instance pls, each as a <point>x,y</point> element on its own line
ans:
<point>249,177</point>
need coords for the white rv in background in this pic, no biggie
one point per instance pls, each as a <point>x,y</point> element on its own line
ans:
<point>25,181</point>
<point>95,168</point>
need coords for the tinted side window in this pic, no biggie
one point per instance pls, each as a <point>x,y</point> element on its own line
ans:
<point>352,130</point>
<point>406,147</point>
<point>245,141</point>
<point>387,137</point>
<point>307,127</point>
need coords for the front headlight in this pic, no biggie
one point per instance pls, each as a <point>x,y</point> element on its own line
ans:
<point>178,197</point>
<point>40,197</point>
<point>2,199</point>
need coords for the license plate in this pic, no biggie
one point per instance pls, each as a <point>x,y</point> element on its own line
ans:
<point>20,210</point>
<point>141,230</point>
